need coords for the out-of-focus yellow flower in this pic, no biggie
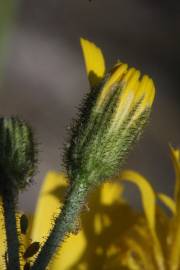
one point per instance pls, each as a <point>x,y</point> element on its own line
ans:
<point>154,244</point>
<point>113,236</point>
<point>100,228</point>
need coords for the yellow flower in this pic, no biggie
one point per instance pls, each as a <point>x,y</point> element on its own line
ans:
<point>154,243</point>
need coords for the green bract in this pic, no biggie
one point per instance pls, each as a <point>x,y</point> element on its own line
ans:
<point>17,154</point>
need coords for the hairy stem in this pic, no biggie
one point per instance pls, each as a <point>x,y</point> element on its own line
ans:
<point>65,223</point>
<point>8,200</point>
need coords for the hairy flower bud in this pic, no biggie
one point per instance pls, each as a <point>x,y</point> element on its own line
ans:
<point>17,154</point>
<point>111,120</point>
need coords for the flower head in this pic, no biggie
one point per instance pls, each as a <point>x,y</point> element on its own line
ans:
<point>112,118</point>
<point>17,154</point>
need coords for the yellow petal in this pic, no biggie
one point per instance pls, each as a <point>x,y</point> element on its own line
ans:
<point>147,194</point>
<point>111,193</point>
<point>143,256</point>
<point>127,96</point>
<point>118,72</point>
<point>70,252</point>
<point>49,203</point>
<point>149,94</point>
<point>168,202</point>
<point>149,204</point>
<point>2,238</point>
<point>146,90</point>
<point>175,156</point>
<point>144,96</point>
<point>3,246</point>
<point>25,240</point>
<point>94,61</point>
<point>175,248</point>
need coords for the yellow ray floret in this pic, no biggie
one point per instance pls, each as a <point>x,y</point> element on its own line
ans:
<point>94,61</point>
<point>110,193</point>
<point>134,89</point>
<point>3,238</point>
<point>147,193</point>
<point>131,83</point>
<point>117,74</point>
<point>168,202</point>
<point>136,93</point>
<point>53,186</point>
<point>175,156</point>
<point>127,81</point>
<point>144,96</point>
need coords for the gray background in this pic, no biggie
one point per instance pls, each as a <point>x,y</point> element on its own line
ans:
<point>45,78</point>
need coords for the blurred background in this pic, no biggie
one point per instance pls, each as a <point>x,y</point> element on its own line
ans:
<point>43,77</point>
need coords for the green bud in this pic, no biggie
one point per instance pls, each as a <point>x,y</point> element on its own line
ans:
<point>17,154</point>
<point>111,120</point>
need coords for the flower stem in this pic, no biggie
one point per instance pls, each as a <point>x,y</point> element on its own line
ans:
<point>65,223</point>
<point>8,202</point>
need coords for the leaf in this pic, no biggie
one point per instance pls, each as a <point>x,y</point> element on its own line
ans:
<point>94,61</point>
<point>32,250</point>
<point>24,224</point>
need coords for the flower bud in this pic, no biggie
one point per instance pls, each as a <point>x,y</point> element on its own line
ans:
<point>17,154</point>
<point>111,120</point>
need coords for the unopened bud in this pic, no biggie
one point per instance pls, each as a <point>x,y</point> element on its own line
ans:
<point>17,154</point>
<point>111,120</point>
